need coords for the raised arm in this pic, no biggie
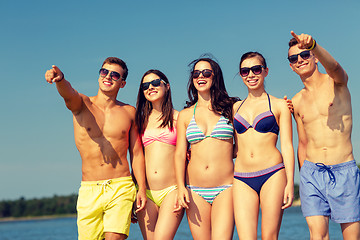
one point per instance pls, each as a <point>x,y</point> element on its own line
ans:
<point>180,162</point>
<point>287,151</point>
<point>138,164</point>
<point>332,67</point>
<point>73,99</point>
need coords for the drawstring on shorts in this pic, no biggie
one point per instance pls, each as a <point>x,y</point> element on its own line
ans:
<point>324,168</point>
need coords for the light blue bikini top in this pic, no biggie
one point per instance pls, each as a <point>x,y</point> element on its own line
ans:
<point>223,130</point>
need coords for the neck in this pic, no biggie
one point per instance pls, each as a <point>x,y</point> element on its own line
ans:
<point>312,80</point>
<point>256,93</point>
<point>104,99</point>
<point>157,107</point>
<point>204,99</point>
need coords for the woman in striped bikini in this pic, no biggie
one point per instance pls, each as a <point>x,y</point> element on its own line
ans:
<point>156,120</point>
<point>206,125</point>
<point>263,175</point>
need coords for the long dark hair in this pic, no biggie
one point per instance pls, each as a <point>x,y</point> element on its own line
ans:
<point>144,107</point>
<point>221,103</point>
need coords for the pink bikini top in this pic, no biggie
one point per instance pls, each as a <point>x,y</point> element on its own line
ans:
<point>165,136</point>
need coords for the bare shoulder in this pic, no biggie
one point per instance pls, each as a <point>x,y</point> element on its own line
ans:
<point>185,115</point>
<point>278,104</point>
<point>298,97</point>
<point>127,108</point>
<point>176,115</point>
<point>237,105</point>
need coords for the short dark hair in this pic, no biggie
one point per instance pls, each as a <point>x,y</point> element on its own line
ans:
<point>292,42</point>
<point>118,61</point>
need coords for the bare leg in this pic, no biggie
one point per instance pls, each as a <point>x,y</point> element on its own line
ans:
<point>351,230</point>
<point>222,216</point>
<point>114,236</point>
<point>147,219</point>
<point>318,227</point>
<point>271,200</point>
<point>246,208</point>
<point>199,214</point>
<point>168,221</point>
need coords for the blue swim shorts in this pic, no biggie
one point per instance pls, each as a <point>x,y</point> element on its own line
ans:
<point>331,190</point>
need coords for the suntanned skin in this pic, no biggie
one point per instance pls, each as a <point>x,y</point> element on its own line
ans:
<point>322,111</point>
<point>104,131</point>
<point>257,151</point>
<point>159,222</point>
<point>210,165</point>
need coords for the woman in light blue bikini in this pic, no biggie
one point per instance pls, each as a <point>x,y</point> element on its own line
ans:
<point>206,125</point>
<point>156,121</point>
<point>263,175</point>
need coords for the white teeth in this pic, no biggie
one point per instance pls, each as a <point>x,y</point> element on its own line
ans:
<point>107,83</point>
<point>201,82</point>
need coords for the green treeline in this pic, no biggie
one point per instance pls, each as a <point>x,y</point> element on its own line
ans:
<point>56,205</point>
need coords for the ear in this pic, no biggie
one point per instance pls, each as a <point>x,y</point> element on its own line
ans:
<point>122,84</point>
<point>266,70</point>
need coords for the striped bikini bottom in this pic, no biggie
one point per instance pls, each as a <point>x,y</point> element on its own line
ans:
<point>209,194</point>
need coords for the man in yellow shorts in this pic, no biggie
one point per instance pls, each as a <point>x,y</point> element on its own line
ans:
<point>105,130</point>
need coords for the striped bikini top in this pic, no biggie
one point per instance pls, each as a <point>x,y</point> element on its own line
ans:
<point>223,130</point>
<point>264,122</point>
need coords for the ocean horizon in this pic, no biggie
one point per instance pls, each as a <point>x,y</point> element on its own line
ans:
<point>64,228</point>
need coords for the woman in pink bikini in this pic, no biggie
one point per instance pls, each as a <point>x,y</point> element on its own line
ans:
<point>264,176</point>
<point>156,121</point>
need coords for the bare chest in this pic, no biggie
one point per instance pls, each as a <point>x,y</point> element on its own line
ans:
<point>94,123</point>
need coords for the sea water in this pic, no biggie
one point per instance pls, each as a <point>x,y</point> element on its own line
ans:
<point>293,227</point>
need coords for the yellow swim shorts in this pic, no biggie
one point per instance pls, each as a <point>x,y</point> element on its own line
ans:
<point>105,206</point>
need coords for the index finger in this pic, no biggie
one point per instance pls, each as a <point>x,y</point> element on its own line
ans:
<point>56,69</point>
<point>295,36</point>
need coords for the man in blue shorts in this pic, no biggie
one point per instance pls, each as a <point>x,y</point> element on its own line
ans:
<point>329,177</point>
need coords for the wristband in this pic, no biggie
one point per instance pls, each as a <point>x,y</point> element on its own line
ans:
<point>62,77</point>
<point>313,45</point>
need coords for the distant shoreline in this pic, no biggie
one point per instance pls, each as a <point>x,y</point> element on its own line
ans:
<point>296,203</point>
<point>14,219</point>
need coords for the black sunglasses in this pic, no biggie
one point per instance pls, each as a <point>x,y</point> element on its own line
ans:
<point>304,55</point>
<point>206,73</point>
<point>114,75</point>
<point>257,69</point>
<point>154,83</point>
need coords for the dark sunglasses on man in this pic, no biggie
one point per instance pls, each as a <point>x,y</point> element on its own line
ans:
<point>304,55</point>
<point>114,75</point>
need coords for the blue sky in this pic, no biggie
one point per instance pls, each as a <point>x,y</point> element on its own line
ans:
<point>38,156</point>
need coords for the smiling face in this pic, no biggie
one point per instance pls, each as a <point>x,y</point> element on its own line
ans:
<point>106,84</point>
<point>303,67</point>
<point>253,81</point>
<point>153,94</point>
<point>202,83</point>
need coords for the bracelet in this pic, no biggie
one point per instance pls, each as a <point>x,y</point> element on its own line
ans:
<point>313,45</point>
<point>63,76</point>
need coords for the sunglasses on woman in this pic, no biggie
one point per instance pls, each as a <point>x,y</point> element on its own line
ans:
<point>154,83</point>
<point>114,75</point>
<point>206,73</point>
<point>304,55</point>
<point>257,69</point>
